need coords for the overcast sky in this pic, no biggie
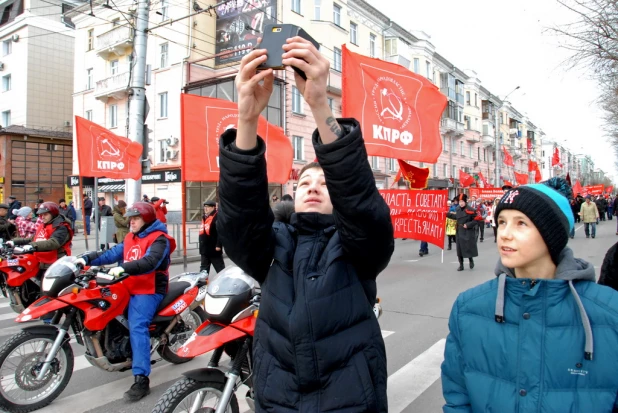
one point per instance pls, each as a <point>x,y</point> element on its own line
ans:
<point>505,42</point>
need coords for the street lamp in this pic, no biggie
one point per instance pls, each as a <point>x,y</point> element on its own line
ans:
<point>497,138</point>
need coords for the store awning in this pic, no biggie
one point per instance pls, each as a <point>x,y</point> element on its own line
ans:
<point>111,188</point>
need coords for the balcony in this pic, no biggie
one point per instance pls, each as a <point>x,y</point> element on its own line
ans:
<point>334,83</point>
<point>517,153</point>
<point>115,86</point>
<point>452,126</point>
<point>114,43</point>
<point>400,60</point>
<point>488,141</point>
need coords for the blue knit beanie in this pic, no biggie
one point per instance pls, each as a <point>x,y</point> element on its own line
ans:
<point>547,205</point>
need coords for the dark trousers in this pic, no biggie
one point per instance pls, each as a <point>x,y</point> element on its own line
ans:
<point>424,248</point>
<point>216,262</point>
<point>451,240</point>
<point>495,233</point>
<point>88,225</point>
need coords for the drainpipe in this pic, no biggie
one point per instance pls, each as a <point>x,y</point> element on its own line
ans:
<point>189,47</point>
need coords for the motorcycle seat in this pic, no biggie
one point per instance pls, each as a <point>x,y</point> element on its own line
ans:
<point>174,290</point>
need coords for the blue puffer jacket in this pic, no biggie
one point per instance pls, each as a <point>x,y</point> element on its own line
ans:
<point>521,345</point>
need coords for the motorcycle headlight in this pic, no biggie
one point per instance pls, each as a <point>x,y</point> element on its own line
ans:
<point>215,305</point>
<point>48,283</point>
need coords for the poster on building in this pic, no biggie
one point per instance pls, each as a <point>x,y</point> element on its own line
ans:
<point>239,24</point>
<point>68,193</point>
<point>419,215</point>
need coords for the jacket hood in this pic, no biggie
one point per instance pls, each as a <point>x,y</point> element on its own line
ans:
<point>58,220</point>
<point>149,229</point>
<point>117,210</point>
<point>569,268</point>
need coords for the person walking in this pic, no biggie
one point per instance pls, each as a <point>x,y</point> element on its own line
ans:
<point>121,222</point>
<point>72,215</point>
<point>610,207</point>
<point>14,205</point>
<point>466,232</point>
<point>317,336</point>
<point>87,203</point>
<point>539,336</point>
<point>160,207</point>
<point>7,226</point>
<point>601,204</point>
<point>481,214</point>
<point>451,224</point>
<point>104,211</point>
<point>210,244</point>
<point>494,224</point>
<point>590,215</point>
<point>25,227</point>
<point>575,209</point>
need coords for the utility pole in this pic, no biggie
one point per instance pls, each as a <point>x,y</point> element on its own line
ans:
<point>137,97</point>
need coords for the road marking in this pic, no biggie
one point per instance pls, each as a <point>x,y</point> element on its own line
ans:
<point>411,260</point>
<point>410,381</point>
<point>387,333</point>
<point>8,316</point>
<point>5,305</point>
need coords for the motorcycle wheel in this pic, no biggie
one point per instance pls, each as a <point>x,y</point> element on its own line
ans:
<point>168,352</point>
<point>20,360</point>
<point>180,397</point>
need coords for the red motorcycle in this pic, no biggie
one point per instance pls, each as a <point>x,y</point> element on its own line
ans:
<point>232,304</point>
<point>37,363</point>
<point>19,280</point>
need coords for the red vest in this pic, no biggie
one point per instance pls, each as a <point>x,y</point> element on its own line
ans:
<point>43,233</point>
<point>134,249</point>
<point>206,223</point>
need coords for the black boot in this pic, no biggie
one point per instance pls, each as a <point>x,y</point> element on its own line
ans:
<point>449,245</point>
<point>139,390</point>
<point>471,263</point>
<point>461,268</point>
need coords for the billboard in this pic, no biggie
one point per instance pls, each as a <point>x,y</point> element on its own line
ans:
<point>239,24</point>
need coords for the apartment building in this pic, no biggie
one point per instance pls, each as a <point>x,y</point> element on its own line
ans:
<point>36,71</point>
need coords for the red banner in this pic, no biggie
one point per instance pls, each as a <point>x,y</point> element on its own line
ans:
<point>101,153</point>
<point>508,159</point>
<point>486,193</point>
<point>203,122</point>
<point>577,188</point>
<point>416,176</point>
<point>399,111</point>
<point>609,189</point>
<point>483,181</point>
<point>529,145</point>
<point>419,215</point>
<point>594,189</point>
<point>465,179</point>
<point>522,179</point>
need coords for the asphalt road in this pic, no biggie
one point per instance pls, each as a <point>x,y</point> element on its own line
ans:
<point>417,295</point>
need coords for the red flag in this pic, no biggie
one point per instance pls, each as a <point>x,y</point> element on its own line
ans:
<point>508,183</point>
<point>555,159</point>
<point>399,111</point>
<point>529,145</point>
<point>203,122</point>
<point>508,159</point>
<point>577,188</point>
<point>465,179</point>
<point>522,179</point>
<point>100,153</point>
<point>537,176</point>
<point>397,177</point>
<point>483,180</point>
<point>609,189</point>
<point>532,166</point>
<point>568,178</point>
<point>416,176</point>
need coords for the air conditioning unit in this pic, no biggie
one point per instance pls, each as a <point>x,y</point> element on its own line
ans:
<point>172,141</point>
<point>476,163</point>
<point>1,66</point>
<point>171,155</point>
<point>67,123</point>
<point>15,38</point>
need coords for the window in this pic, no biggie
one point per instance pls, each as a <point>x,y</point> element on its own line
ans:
<point>416,65</point>
<point>453,147</point>
<point>163,55</point>
<point>163,105</point>
<point>296,6</point>
<point>428,68</point>
<point>468,98</point>
<point>113,116</point>
<point>6,118</point>
<point>297,103</point>
<point>445,170</point>
<point>6,83</point>
<point>455,174</point>
<point>89,82</point>
<point>435,170</point>
<point>478,155</point>
<point>353,33</point>
<point>337,14</point>
<point>375,162</point>
<point>461,148</point>
<point>89,115</point>
<point>316,9</point>
<point>113,65</point>
<point>330,103</point>
<point>471,150</point>
<point>299,149</point>
<point>337,59</point>
<point>476,101</point>
<point>7,47</point>
<point>444,144</point>
<point>164,8</point>
<point>90,40</point>
<point>393,166</point>
<point>372,45</point>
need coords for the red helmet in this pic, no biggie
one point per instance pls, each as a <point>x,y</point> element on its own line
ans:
<point>143,209</point>
<point>50,207</point>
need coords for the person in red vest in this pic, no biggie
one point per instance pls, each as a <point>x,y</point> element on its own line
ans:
<point>145,253</point>
<point>210,245</point>
<point>52,237</point>
<point>160,208</point>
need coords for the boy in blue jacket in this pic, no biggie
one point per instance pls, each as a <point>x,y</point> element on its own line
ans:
<point>542,336</point>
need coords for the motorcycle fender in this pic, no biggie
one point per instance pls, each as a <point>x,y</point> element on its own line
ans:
<point>39,308</point>
<point>205,375</point>
<point>44,329</point>
<point>180,304</point>
<point>207,337</point>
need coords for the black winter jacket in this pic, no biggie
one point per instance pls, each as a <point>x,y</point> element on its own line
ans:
<point>210,243</point>
<point>609,268</point>
<point>318,346</point>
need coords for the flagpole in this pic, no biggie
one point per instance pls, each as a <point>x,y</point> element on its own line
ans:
<point>81,191</point>
<point>96,213</point>
<point>183,185</point>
